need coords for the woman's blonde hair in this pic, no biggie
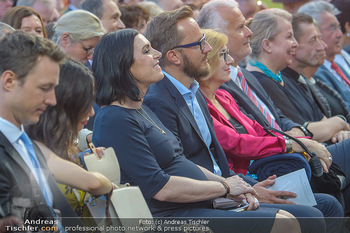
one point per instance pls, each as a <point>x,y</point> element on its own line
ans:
<point>80,24</point>
<point>265,24</point>
<point>217,40</point>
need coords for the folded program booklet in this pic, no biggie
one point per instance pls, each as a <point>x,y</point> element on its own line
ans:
<point>298,183</point>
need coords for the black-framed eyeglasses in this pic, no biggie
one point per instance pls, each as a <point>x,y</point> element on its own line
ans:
<point>224,54</point>
<point>201,44</point>
<point>86,48</point>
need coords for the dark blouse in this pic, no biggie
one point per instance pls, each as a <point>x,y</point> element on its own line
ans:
<point>291,99</point>
<point>146,156</point>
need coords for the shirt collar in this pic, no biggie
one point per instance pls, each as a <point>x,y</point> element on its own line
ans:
<point>302,79</point>
<point>180,87</point>
<point>11,132</point>
<point>327,64</point>
<point>233,74</point>
<point>72,7</point>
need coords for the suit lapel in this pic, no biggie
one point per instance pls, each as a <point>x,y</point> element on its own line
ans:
<point>239,93</point>
<point>253,85</point>
<point>13,154</point>
<point>181,104</point>
<point>245,102</point>
<point>17,158</point>
<point>59,199</point>
<point>344,71</point>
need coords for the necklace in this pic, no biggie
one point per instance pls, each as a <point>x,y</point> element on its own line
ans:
<point>267,71</point>
<point>148,118</point>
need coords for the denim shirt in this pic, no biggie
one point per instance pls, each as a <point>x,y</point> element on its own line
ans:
<point>190,97</point>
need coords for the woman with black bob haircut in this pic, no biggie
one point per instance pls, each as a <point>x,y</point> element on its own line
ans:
<point>57,130</point>
<point>118,83</point>
<point>149,155</point>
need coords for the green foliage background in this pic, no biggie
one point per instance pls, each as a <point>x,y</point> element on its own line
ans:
<point>271,4</point>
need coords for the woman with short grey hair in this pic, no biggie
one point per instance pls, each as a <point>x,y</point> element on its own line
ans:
<point>77,33</point>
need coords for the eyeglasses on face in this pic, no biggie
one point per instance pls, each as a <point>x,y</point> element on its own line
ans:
<point>224,54</point>
<point>332,27</point>
<point>201,44</point>
<point>87,49</point>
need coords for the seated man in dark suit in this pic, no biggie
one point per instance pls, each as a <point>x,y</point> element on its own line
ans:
<point>29,68</point>
<point>258,103</point>
<point>310,54</point>
<point>330,72</point>
<point>211,16</point>
<point>182,108</point>
<point>305,97</point>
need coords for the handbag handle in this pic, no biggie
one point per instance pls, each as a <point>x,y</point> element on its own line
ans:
<point>314,162</point>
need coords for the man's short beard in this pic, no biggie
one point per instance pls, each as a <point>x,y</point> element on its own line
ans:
<point>192,70</point>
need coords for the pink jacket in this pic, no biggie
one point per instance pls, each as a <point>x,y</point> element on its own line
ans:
<point>241,148</point>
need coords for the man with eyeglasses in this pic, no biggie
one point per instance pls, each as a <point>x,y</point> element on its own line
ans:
<point>330,72</point>
<point>244,88</point>
<point>176,99</point>
<point>182,108</point>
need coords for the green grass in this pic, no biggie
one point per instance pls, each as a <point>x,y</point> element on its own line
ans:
<point>271,4</point>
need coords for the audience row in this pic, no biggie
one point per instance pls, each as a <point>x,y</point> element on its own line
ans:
<point>189,101</point>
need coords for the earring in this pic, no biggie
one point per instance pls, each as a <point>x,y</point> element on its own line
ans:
<point>348,34</point>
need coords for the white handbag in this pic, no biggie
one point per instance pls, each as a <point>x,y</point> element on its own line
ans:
<point>128,208</point>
